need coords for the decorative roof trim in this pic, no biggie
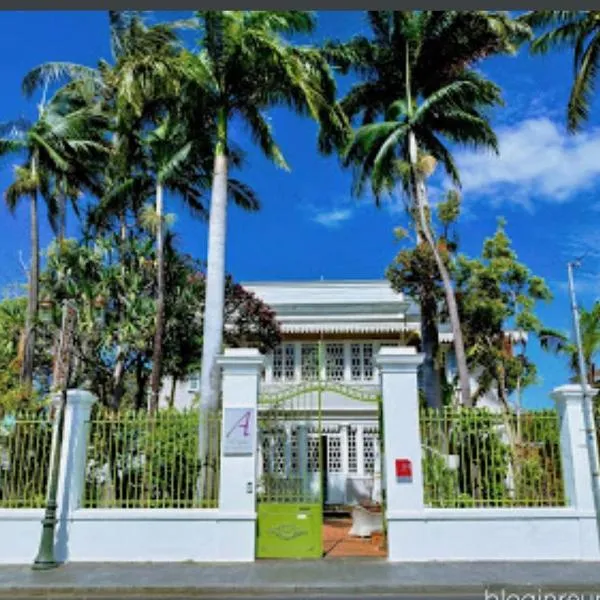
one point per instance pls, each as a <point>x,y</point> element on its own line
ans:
<point>333,327</point>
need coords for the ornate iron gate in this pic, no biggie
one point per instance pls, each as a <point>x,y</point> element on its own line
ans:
<point>290,480</point>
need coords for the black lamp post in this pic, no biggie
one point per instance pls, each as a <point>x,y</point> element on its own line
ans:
<point>45,558</point>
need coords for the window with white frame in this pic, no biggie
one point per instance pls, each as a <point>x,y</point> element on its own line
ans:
<point>361,361</point>
<point>310,362</point>
<point>334,453</point>
<point>334,362</point>
<point>352,450</point>
<point>284,363</point>
<point>370,439</point>
<point>351,361</point>
<point>194,382</point>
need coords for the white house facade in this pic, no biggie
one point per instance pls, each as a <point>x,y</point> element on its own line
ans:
<point>331,333</point>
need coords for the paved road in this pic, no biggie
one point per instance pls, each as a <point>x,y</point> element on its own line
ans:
<point>293,580</point>
<point>166,595</point>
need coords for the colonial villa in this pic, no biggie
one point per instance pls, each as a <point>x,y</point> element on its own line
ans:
<point>332,331</point>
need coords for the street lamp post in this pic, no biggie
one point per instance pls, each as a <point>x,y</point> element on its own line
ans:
<point>45,558</point>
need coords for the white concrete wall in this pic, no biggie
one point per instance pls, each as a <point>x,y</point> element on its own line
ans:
<point>160,535</point>
<point>20,530</point>
<point>226,534</point>
<point>488,534</point>
<point>132,535</point>
<point>417,533</point>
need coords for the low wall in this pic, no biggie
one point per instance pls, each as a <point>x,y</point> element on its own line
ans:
<point>471,534</point>
<point>20,530</point>
<point>165,535</point>
<point>132,535</point>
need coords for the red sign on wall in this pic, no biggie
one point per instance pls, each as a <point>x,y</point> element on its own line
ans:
<point>403,468</point>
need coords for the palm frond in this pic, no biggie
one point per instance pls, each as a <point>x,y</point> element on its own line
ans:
<point>56,72</point>
<point>243,195</point>
<point>578,108</point>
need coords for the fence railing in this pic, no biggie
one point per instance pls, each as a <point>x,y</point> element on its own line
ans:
<point>25,450</point>
<point>137,460</point>
<point>476,458</point>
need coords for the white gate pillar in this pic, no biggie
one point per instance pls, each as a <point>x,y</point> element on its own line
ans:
<point>72,472</point>
<point>237,487</point>
<point>402,441</point>
<point>575,459</point>
<point>575,462</point>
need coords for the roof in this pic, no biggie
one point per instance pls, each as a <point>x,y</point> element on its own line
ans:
<point>343,306</point>
<point>341,292</point>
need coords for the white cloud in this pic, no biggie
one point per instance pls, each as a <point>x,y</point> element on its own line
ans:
<point>538,160</point>
<point>333,218</point>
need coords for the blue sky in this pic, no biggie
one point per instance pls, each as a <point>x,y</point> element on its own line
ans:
<point>545,183</point>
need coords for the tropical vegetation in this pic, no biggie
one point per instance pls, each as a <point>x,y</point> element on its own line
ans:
<point>123,144</point>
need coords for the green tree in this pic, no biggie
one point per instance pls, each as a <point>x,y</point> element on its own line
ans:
<point>559,343</point>
<point>56,146</point>
<point>390,150</point>
<point>414,272</point>
<point>425,58</point>
<point>244,65</point>
<point>114,293</point>
<point>162,140</point>
<point>580,31</point>
<point>497,292</point>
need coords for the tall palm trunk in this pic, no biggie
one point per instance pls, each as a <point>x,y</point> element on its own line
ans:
<point>215,272</point>
<point>33,294</point>
<point>119,368</point>
<point>213,308</point>
<point>62,218</point>
<point>160,303</point>
<point>420,199</point>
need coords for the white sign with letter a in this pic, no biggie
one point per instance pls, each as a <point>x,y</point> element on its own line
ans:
<point>238,427</point>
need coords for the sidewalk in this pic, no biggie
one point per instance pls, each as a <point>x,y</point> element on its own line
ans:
<point>351,577</point>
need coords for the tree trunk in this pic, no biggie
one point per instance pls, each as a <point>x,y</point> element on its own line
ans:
<point>62,218</point>
<point>119,369</point>
<point>430,347</point>
<point>213,307</point>
<point>33,293</point>
<point>215,273</point>
<point>173,390</point>
<point>141,380</point>
<point>420,195</point>
<point>118,382</point>
<point>160,304</point>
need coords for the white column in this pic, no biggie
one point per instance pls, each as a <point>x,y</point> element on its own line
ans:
<point>297,361</point>
<point>241,373</point>
<point>360,451</point>
<point>575,459</point>
<point>398,367</point>
<point>576,467</point>
<point>269,368</point>
<point>347,362</point>
<point>71,483</point>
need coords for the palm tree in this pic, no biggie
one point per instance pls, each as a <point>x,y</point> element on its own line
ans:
<point>424,59</point>
<point>56,147</point>
<point>244,65</point>
<point>579,30</point>
<point>589,322</point>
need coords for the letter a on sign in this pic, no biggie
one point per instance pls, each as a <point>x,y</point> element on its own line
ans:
<point>238,427</point>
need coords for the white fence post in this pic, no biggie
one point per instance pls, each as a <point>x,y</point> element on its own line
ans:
<point>237,493</point>
<point>398,368</point>
<point>402,440</point>
<point>71,483</point>
<point>575,459</point>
